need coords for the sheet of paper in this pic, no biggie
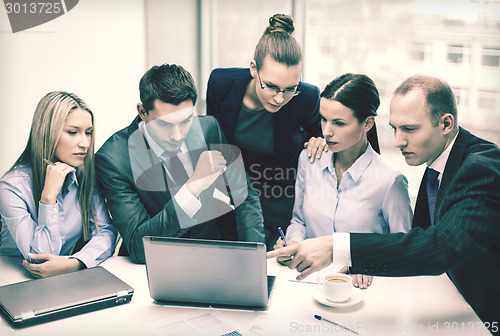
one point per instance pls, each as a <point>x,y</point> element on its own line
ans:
<point>292,322</point>
<point>315,277</point>
<point>207,322</point>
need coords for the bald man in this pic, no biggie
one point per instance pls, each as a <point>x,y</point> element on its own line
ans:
<point>456,227</point>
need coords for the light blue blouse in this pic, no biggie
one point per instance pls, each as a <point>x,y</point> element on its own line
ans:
<point>372,197</point>
<point>53,229</point>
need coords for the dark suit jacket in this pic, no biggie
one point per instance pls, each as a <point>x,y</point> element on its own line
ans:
<point>465,238</point>
<point>139,198</point>
<point>294,123</point>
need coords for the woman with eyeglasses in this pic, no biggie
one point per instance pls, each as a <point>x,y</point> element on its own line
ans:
<point>51,212</point>
<point>350,188</point>
<point>269,113</point>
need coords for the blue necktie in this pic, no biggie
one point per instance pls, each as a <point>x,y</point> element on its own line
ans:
<point>432,191</point>
<point>176,169</point>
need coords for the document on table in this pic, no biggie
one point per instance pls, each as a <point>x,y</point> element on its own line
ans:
<point>293,323</point>
<point>315,278</point>
<point>200,322</point>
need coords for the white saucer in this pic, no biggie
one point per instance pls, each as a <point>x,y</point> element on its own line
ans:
<point>356,297</point>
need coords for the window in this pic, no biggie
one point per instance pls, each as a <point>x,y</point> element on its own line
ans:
<point>461,96</point>
<point>328,46</point>
<point>235,46</point>
<point>491,56</point>
<point>420,52</point>
<point>458,54</point>
<point>488,101</point>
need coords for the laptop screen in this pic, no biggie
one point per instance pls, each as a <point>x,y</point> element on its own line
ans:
<point>207,271</point>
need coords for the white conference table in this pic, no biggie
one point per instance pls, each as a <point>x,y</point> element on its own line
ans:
<point>425,305</point>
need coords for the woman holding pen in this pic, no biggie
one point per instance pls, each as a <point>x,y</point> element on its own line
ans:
<point>51,212</point>
<point>350,188</point>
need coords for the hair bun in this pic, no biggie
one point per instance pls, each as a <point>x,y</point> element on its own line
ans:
<point>280,23</point>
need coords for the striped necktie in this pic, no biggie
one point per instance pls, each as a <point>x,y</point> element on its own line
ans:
<point>432,191</point>
<point>176,168</point>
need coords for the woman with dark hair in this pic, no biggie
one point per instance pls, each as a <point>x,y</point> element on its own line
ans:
<point>269,113</point>
<point>350,188</point>
<point>48,201</point>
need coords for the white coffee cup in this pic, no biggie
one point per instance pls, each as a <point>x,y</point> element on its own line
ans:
<point>337,287</point>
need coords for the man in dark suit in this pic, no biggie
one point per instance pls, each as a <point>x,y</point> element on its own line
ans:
<point>171,173</point>
<point>456,223</point>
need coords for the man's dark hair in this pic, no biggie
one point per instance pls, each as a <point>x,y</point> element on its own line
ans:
<point>438,94</point>
<point>169,83</point>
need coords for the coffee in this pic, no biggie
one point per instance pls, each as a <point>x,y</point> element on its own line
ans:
<point>337,280</point>
<point>337,287</point>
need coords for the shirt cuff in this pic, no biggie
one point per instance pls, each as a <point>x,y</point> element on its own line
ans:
<point>48,215</point>
<point>187,202</point>
<point>85,260</point>
<point>342,249</point>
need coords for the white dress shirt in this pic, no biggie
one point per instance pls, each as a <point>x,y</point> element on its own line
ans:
<point>50,229</point>
<point>342,243</point>
<point>440,162</point>
<point>184,198</point>
<point>372,197</point>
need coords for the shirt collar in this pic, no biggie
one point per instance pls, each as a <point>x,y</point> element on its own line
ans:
<point>326,161</point>
<point>357,169</point>
<point>70,180</point>
<point>440,162</point>
<point>154,145</point>
<point>360,165</point>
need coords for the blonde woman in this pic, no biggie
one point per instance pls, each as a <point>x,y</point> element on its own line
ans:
<point>51,211</point>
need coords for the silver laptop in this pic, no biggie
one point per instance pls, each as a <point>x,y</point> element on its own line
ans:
<point>46,299</point>
<point>208,272</point>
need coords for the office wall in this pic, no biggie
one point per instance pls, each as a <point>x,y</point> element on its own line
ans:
<point>172,28</point>
<point>96,50</point>
<point>205,34</point>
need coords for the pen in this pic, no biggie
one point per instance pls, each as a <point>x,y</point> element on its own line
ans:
<point>301,281</point>
<point>282,235</point>
<point>48,162</point>
<point>318,317</point>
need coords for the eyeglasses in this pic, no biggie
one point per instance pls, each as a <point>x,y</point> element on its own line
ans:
<point>274,91</point>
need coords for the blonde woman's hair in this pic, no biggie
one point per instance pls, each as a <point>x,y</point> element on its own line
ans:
<point>46,128</point>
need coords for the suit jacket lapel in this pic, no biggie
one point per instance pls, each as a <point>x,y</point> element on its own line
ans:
<point>454,162</point>
<point>421,217</point>
<point>147,170</point>
<point>230,107</point>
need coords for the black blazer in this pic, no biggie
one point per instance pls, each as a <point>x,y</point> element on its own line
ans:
<point>136,190</point>
<point>294,123</point>
<point>465,240</point>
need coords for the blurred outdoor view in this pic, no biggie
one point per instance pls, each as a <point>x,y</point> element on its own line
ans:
<point>388,40</point>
